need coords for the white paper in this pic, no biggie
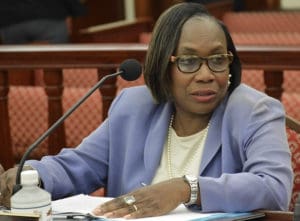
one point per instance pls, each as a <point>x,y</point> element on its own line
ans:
<point>85,204</point>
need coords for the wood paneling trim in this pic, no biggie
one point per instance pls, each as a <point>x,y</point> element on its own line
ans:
<point>116,32</point>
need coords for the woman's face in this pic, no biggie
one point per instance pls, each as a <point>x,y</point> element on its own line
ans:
<point>199,92</point>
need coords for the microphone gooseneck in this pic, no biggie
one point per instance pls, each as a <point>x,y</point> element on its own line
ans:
<point>129,70</point>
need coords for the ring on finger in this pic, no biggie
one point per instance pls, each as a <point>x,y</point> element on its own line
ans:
<point>132,208</point>
<point>129,200</point>
<point>135,207</point>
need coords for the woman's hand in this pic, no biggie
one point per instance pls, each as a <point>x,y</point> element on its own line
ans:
<point>1,169</point>
<point>7,181</point>
<point>154,200</point>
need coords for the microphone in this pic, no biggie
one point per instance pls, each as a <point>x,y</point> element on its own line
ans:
<point>129,70</point>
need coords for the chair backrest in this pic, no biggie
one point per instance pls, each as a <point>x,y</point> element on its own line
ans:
<point>28,118</point>
<point>293,133</point>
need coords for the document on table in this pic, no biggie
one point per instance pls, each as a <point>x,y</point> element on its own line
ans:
<point>83,205</point>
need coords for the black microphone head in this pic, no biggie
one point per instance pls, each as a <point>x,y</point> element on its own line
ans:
<point>131,69</point>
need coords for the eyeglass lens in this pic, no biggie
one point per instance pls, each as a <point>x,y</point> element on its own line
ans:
<point>190,64</point>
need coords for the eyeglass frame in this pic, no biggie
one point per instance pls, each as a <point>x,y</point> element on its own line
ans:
<point>174,59</point>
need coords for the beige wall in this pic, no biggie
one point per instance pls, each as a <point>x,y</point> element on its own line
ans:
<point>129,6</point>
<point>290,4</point>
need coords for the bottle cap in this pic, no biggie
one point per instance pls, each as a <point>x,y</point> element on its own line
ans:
<point>29,177</point>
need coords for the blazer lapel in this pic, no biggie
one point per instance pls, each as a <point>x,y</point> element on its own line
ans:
<point>156,139</point>
<point>213,140</point>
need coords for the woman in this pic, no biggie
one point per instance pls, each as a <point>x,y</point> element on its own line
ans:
<point>194,135</point>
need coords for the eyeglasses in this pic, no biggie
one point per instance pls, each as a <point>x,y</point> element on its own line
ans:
<point>192,63</point>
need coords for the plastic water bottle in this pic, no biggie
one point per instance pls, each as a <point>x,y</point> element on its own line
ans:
<point>32,199</point>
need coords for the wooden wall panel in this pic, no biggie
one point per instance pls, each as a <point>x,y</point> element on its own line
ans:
<point>152,8</point>
<point>262,5</point>
<point>99,12</point>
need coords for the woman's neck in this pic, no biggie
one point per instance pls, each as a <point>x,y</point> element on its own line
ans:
<point>187,124</point>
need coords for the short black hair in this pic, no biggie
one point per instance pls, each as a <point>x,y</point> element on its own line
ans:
<point>164,42</point>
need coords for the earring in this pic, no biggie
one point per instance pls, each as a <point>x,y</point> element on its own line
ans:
<point>229,82</point>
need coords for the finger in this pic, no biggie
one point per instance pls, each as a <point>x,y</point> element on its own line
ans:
<point>121,212</point>
<point>145,209</point>
<point>1,198</point>
<point>3,191</point>
<point>1,169</point>
<point>112,205</point>
<point>5,197</point>
<point>138,213</point>
<point>120,206</point>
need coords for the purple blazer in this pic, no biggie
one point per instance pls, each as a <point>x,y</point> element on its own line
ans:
<point>246,162</point>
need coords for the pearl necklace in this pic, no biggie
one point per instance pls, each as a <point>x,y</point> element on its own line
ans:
<point>170,170</point>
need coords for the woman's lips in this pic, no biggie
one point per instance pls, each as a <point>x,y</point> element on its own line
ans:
<point>204,95</point>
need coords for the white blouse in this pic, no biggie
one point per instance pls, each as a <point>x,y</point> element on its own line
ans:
<point>181,155</point>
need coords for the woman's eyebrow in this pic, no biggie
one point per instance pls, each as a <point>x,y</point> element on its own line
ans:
<point>187,51</point>
<point>218,50</point>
